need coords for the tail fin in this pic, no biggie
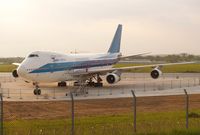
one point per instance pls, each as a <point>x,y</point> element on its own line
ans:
<point>115,45</point>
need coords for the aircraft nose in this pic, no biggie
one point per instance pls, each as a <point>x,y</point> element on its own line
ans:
<point>22,71</point>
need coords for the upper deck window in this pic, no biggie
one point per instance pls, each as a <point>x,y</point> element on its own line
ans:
<point>33,55</point>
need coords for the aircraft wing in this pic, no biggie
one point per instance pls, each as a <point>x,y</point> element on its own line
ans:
<point>106,70</point>
<point>153,65</point>
<point>16,64</point>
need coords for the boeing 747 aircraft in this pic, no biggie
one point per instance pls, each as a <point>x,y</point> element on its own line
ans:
<point>40,66</point>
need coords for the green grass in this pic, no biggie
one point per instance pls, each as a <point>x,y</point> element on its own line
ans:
<point>148,123</point>
<point>189,68</point>
<point>7,68</point>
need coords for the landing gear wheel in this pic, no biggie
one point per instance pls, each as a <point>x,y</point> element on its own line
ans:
<point>37,91</point>
<point>90,84</point>
<point>76,84</point>
<point>98,84</point>
<point>62,84</point>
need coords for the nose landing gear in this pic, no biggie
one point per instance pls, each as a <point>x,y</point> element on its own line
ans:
<point>98,82</point>
<point>37,90</point>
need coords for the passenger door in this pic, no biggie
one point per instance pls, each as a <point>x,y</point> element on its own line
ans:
<point>52,65</point>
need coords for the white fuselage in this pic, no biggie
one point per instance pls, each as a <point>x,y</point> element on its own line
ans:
<point>43,66</point>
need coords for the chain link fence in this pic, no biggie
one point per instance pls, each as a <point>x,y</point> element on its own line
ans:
<point>138,82</point>
<point>99,117</point>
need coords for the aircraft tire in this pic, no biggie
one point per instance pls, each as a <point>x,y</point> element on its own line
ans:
<point>98,85</point>
<point>62,84</point>
<point>39,92</point>
<point>35,92</point>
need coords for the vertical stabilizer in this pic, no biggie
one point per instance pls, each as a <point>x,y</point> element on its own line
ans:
<point>115,45</point>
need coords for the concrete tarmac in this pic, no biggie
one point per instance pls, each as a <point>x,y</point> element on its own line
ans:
<point>141,83</point>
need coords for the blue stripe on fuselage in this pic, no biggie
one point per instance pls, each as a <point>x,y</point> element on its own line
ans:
<point>54,67</point>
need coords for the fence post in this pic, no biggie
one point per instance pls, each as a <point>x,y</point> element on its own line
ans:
<point>98,94</point>
<point>54,93</point>
<point>163,85</point>
<point>186,107</point>
<point>122,91</point>
<point>180,83</point>
<point>171,84</point>
<point>1,128</point>
<point>72,109</point>
<point>134,110</point>
<point>144,86</point>
<point>154,86</point>
<point>20,94</point>
<point>8,93</point>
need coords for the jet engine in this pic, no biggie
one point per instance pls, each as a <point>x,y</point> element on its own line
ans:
<point>15,74</point>
<point>112,78</point>
<point>156,73</point>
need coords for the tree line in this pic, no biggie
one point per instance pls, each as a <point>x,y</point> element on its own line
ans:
<point>11,60</point>
<point>169,58</point>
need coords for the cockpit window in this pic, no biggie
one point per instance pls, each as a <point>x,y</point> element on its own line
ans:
<point>33,55</point>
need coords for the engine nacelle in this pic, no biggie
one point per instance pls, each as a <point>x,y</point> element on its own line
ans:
<point>112,78</point>
<point>15,74</point>
<point>156,73</point>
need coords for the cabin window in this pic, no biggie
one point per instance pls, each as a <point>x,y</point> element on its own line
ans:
<point>33,55</point>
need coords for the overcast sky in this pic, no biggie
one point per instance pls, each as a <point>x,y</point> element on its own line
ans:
<point>157,26</point>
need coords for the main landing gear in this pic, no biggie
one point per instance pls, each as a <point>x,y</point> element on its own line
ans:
<point>98,82</point>
<point>62,84</point>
